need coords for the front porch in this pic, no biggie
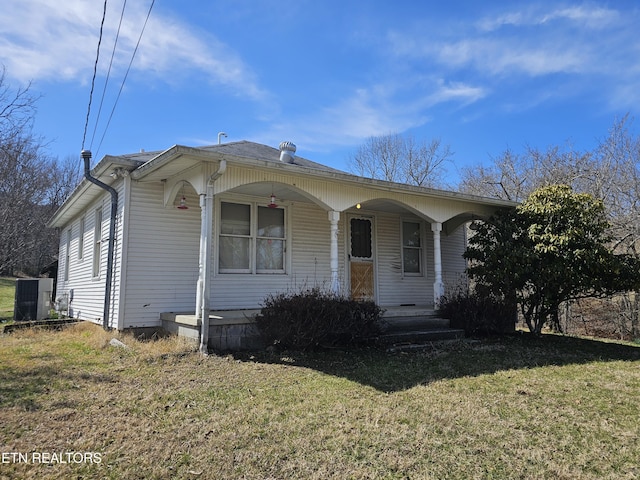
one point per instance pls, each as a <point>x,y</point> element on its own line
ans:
<point>233,330</point>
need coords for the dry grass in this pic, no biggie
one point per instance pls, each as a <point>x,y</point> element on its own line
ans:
<point>557,407</point>
<point>7,295</point>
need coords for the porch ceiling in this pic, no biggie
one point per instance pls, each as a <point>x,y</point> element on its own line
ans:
<point>282,192</point>
<point>384,206</point>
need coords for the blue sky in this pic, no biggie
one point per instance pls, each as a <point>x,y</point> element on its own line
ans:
<point>480,76</point>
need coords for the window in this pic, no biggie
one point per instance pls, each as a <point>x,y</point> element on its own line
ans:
<point>97,243</point>
<point>411,248</point>
<point>235,237</point>
<point>81,240</point>
<point>67,256</point>
<point>361,244</point>
<point>252,239</point>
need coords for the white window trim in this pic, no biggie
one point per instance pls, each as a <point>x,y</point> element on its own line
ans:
<point>96,268</point>
<point>67,257</point>
<point>421,248</point>
<point>253,237</point>
<point>81,227</point>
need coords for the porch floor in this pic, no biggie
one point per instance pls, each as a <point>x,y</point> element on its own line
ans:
<point>392,315</point>
<point>404,327</point>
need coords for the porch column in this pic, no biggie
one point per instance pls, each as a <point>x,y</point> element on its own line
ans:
<point>201,258</point>
<point>204,278</point>
<point>438,286</point>
<point>206,240</point>
<point>334,217</point>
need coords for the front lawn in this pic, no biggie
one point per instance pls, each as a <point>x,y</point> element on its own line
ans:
<point>516,407</point>
<point>7,297</point>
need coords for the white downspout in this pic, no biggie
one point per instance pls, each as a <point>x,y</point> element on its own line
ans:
<point>206,238</point>
<point>334,217</point>
<point>438,285</point>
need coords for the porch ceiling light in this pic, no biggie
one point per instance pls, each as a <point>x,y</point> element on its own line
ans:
<point>272,202</point>
<point>183,200</point>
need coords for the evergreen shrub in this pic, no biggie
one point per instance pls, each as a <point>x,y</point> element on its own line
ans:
<point>313,318</point>
<point>478,312</point>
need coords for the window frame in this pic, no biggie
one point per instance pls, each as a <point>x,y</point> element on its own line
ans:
<point>81,227</point>
<point>234,235</point>
<point>67,256</point>
<point>253,237</point>
<point>419,249</point>
<point>97,243</point>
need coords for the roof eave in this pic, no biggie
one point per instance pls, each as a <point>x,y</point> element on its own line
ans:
<point>60,217</point>
<point>371,182</point>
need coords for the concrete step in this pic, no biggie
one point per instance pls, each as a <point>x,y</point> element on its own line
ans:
<point>410,337</point>
<point>414,329</point>
<point>412,323</point>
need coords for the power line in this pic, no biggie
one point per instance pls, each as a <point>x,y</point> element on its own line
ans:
<point>106,82</point>
<point>126,74</point>
<point>95,70</point>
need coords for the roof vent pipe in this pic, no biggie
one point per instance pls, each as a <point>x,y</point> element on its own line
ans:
<point>287,152</point>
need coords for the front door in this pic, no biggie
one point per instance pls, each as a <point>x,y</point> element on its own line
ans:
<point>361,266</point>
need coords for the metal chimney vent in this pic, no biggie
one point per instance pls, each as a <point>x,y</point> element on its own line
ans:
<point>287,152</point>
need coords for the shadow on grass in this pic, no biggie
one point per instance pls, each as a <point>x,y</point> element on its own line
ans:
<point>390,372</point>
<point>22,387</point>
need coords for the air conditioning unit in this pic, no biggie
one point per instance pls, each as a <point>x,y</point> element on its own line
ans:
<point>33,298</point>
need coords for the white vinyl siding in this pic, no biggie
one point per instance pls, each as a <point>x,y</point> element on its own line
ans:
<point>453,263</point>
<point>86,291</point>
<point>162,256</point>
<point>394,287</point>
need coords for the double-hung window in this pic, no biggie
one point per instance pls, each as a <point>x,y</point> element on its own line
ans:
<point>252,239</point>
<point>411,248</point>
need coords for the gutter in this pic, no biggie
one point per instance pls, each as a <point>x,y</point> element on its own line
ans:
<point>86,156</point>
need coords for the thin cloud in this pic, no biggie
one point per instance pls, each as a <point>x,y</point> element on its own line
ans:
<point>541,43</point>
<point>43,40</point>
<point>586,15</point>
<point>374,111</point>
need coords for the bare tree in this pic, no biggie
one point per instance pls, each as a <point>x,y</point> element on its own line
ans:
<point>32,186</point>
<point>17,109</point>
<point>513,176</point>
<point>615,178</point>
<point>401,159</point>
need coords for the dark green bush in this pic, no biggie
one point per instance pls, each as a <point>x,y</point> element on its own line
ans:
<point>314,318</point>
<point>478,312</point>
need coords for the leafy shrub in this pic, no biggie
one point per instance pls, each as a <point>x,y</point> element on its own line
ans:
<point>478,312</point>
<point>314,318</point>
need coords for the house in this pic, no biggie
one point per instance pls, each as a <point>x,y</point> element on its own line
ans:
<point>165,239</point>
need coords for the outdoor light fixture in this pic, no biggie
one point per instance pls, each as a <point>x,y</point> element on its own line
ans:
<point>272,202</point>
<point>183,200</point>
<point>272,199</point>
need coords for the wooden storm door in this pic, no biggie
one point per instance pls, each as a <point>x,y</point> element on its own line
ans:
<point>361,267</point>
